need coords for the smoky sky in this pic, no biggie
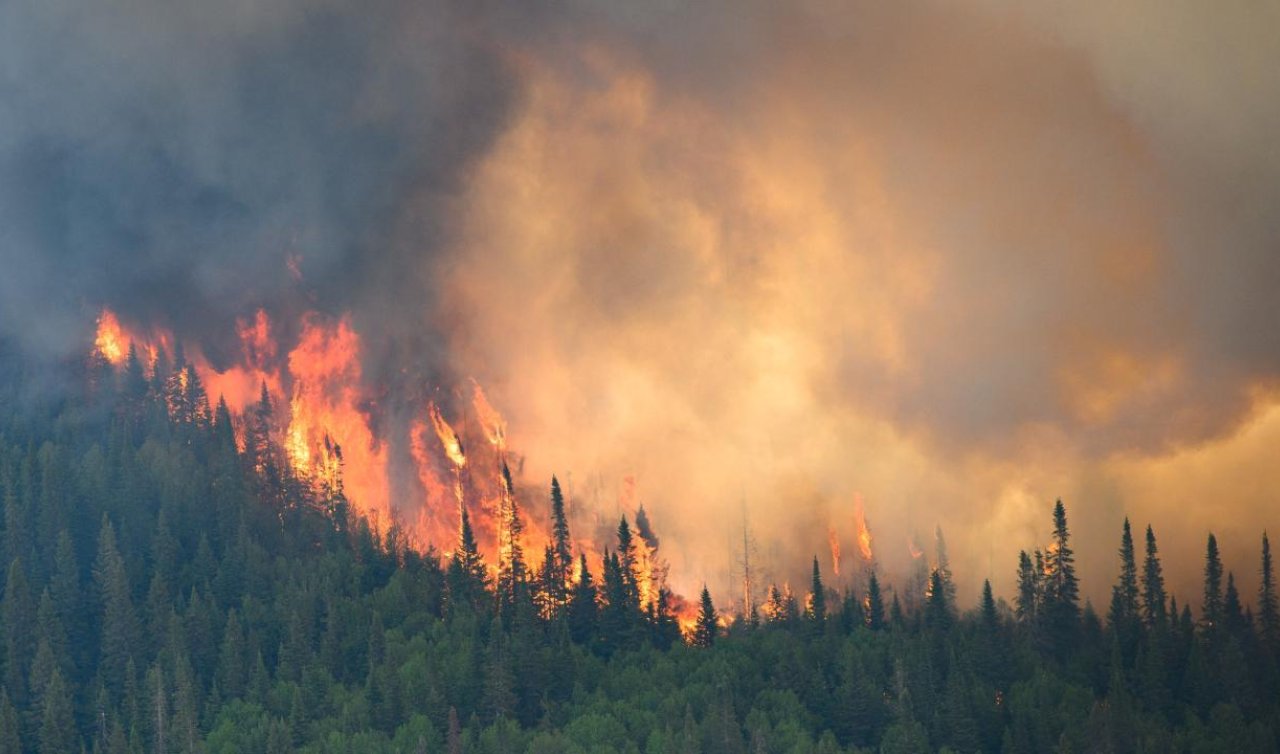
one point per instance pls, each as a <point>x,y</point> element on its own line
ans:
<point>168,159</point>
<point>961,257</point>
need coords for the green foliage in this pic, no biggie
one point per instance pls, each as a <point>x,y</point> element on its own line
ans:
<point>167,590</point>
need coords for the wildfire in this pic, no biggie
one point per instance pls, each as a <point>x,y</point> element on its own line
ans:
<point>834,540</point>
<point>326,415</point>
<point>448,438</point>
<point>914,548</point>
<point>111,341</point>
<point>494,426</point>
<point>863,533</point>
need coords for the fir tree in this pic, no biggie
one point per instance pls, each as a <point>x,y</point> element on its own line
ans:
<point>937,612</point>
<point>1062,590</point>
<point>1211,615</point>
<point>563,545</point>
<point>582,605</point>
<point>1154,601</point>
<point>467,574</point>
<point>119,633</point>
<point>10,727</point>
<point>707,625</point>
<point>1028,600</point>
<point>58,726</point>
<point>1268,605</point>
<point>875,603</point>
<point>817,607</point>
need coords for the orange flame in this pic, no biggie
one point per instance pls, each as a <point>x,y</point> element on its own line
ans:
<point>913,548</point>
<point>834,541</point>
<point>326,414</point>
<point>448,438</point>
<point>494,426</point>
<point>111,341</point>
<point>863,533</point>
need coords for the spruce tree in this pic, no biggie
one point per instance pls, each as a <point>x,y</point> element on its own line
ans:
<point>1268,606</point>
<point>1062,588</point>
<point>561,540</point>
<point>875,603</point>
<point>937,611</point>
<point>58,725</point>
<point>512,571</point>
<point>707,626</point>
<point>1123,615</point>
<point>120,632</point>
<point>467,573</point>
<point>19,616</point>
<point>582,605</point>
<point>1211,615</point>
<point>10,726</point>
<point>817,607</point>
<point>1028,600</point>
<point>1154,600</point>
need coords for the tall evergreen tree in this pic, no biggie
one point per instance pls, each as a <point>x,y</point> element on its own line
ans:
<point>1268,605</point>
<point>119,623</point>
<point>10,726</point>
<point>707,625</point>
<point>582,605</point>
<point>817,607</point>
<point>1211,615</point>
<point>938,608</point>
<point>1028,600</point>
<point>467,574</point>
<point>628,564</point>
<point>19,618</point>
<point>1154,600</point>
<point>561,540</point>
<point>1062,588</point>
<point>1123,615</point>
<point>512,571</point>
<point>58,733</point>
<point>947,580</point>
<point>875,603</point>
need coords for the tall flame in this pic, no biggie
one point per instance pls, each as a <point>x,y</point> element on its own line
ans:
<point>325,414</point>
<point>448,438</point>
<point>111,341</point>
<point>834,540</point>
<point>863,533</point>
<point>494,426</point>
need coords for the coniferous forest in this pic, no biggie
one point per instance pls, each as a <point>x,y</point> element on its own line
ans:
<point>168,590</point>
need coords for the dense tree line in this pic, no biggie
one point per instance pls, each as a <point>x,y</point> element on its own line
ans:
<point>167,589</point>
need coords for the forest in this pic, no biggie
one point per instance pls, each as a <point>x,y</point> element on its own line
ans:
<point>171,587</point>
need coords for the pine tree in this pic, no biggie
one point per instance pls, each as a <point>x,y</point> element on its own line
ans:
<point>875,604</point>
<point>1124,595</point>
<point>1028,600</point>
<point>1233,618</point>
<point>19,617</point>
<point>119,632</point>
<point>561,541</point>
<point>944,567</point>
<point>707,626</point>
<point>582,605</point>
<point>1211,615</point>
<point>628,563</point>
<point>467,574</point>
<point>1062,589</point>
<point>58,726</point>
<point>1268,607</point>
<point>817,607</point>
<point>512,571</point>
<point>10,727</point>
<point>937,613</point>
<point>1154,601</point>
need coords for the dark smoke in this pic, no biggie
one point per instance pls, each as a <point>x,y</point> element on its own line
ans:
<point>167,159</point>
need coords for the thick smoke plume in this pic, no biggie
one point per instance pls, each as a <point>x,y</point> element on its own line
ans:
<point>958,258</point>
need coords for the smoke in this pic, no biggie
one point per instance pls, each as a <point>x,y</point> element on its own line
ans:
<point>960,258</point>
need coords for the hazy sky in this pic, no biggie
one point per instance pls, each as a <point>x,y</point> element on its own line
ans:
<point>961,258</point>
